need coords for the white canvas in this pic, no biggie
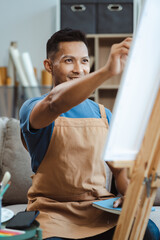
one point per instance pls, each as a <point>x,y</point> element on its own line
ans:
<point>138,88</point>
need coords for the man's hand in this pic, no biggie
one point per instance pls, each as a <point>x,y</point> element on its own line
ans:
<point>118,56</point>
<point>118,202</point>
<point>121,181</point>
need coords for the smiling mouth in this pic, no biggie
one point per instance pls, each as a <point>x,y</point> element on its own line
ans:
<point>72,78</point>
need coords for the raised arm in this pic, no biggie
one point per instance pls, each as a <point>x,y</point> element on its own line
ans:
<point>68,94</point>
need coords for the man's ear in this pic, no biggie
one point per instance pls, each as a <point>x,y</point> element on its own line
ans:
<point>48,65</point>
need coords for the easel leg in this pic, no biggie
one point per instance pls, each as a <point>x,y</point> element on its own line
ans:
<point>146,165</point>
<point>147,201</point>
<point>141,221</point>
<point>130,207</point>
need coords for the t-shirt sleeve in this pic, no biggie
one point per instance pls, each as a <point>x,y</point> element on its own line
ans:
<point>25,112</point>
<point>37,140</point>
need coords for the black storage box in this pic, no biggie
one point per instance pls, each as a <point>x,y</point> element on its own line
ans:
<point>79,14</point>
<point>98,16</point>
<point>115,16</point>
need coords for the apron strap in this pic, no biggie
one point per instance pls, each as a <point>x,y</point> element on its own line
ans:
<point>103,113</point>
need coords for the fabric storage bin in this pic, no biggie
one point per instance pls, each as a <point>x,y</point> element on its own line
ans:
<point>79,14</point>
<point>115,16</point>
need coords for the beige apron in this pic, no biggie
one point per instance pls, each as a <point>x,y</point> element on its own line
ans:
<point>71,176</point>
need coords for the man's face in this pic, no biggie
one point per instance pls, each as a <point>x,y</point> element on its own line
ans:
<point>70,62</point>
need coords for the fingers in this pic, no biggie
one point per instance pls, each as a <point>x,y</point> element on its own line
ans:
<point>118,56</point>
<point>127,43</point>
<point>123,50</point>
<point>123,47</point>
<point>118,202</point>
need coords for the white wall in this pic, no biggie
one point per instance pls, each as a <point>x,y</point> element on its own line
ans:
<point>30,23</point>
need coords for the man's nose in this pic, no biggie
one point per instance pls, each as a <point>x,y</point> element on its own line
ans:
<point>78,68</point>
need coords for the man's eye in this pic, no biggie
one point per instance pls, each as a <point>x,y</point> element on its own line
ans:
<point>86,60</point>
<point>68,60</point>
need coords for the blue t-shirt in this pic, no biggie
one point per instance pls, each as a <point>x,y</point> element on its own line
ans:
<point>38,141</point>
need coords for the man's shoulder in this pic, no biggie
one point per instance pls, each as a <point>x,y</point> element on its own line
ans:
<point>96,109</point>
<point>96,106</point>
<point>33,100</point>
<point>86,109</point>
<point>28,105</point>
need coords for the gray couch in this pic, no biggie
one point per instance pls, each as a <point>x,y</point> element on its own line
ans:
<point>15,159</point>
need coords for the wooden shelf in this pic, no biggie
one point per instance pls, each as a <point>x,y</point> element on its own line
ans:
<point>114,36</point>
<point>109,87</point>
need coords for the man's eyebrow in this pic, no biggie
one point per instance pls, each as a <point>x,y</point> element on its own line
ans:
<point>86,57</point>
<point>71,56</point>
<point>67,56</point>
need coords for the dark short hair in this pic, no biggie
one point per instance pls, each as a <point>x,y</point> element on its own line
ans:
<point>64,35</point>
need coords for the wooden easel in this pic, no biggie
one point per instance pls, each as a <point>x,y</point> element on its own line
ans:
<point>144,181</point>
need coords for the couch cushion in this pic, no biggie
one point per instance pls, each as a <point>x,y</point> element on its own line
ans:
<point>15,159</point>
<point>3,121</point>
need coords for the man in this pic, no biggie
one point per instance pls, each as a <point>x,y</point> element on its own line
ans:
<point>65,134</point>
